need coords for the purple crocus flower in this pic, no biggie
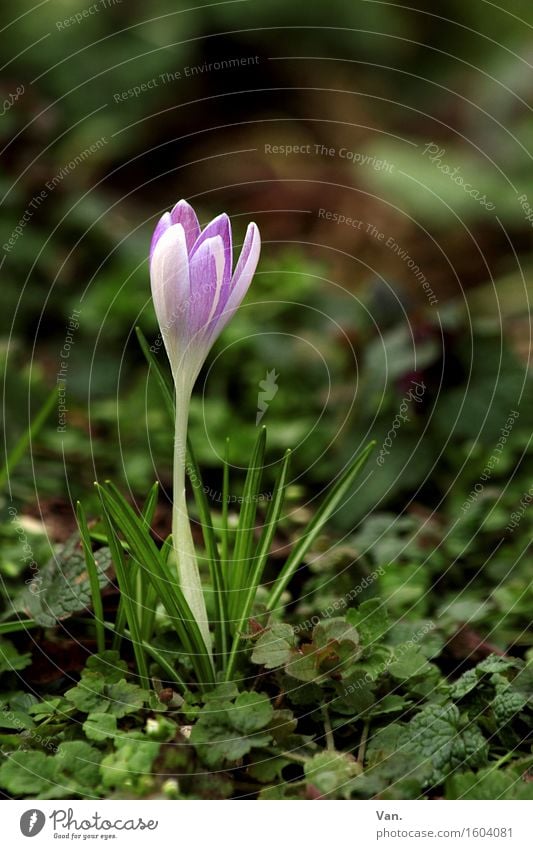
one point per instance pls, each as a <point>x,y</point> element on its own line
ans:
<point>194,290</point>
<point>195,294</point>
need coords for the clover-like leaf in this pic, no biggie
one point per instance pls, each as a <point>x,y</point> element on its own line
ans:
<point>250,712</point>
<point>274,647</point>
<point>63,586</point>
<point>331,773</point>
<point>100,726</point>
<point>438,734</point>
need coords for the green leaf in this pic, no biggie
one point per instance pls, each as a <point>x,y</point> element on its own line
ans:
<point>162,380</point>
<point>438,734</point>
<point>15,720</point>
<point>331,773</point>
<point>10,657</point>
<point>268,769</point>
<point>132,759</point>
<point>28,774</point>
<point>64,586</point>
<point>489,784</point>
<point>275,646</point>
<point>260,558</point>
<point>213,558</point>
<point>410,663</point>
<point>19,449</point>
<point>495,663</point>
<point>94,579</point>
<point>100,726</point>
<point>73,771</point>
<point>96,694</point>
<point>506,705</point>
<point>468,681</point>
<point>239,573</point>
<point>125,698</point>
<point>332,501</point>
<point>251,712</point>
<point>371,620</point>
<point>107,664</point>
<point>145,552</point>
<point>228,730</point>
<point>126,610</point>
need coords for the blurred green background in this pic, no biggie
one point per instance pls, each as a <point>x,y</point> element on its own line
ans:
<point>415,123</point>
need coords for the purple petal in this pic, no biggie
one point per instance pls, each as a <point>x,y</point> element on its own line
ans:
<point>206,273</point>
<point>184,214</point>
<point>219,226</point>
<point>241,280</point>
<point>169,276</point>
<point>162,225</point>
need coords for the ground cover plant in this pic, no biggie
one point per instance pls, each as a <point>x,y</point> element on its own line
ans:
<point>265,493</point>
<point>337,670</point>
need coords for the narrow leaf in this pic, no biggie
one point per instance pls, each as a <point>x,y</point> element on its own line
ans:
<point>145,551</point>
<point>240,566</point>
<point>162,379</point>
<point>260,557</point>
<point>92,571</point>
<point>326,509</point>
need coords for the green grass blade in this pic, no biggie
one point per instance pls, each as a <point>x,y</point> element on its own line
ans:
<point>92,571</point>
<point>239,568</point>
<point>213,557</point>
<point>126,610</point>
<point>157,656</point>
<point>19,449</point>
<point>328,506</point>
<point>163,381</point>
<point>18,625</point>
<point>144,551</point>
<point>224,531</point>
<point>150,504</point>
<point>146,595</point>
<point>260,557</point>
<point>121,620</point>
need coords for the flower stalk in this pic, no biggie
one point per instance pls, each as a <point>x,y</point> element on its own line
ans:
<point>195,293</point>
<point>186,563</point>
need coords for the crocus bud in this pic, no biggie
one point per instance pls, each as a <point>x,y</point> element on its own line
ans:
<point>195,294</point>
<point>194,290</point>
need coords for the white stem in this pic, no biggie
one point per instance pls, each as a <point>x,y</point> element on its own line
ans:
<point>188,572</point>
